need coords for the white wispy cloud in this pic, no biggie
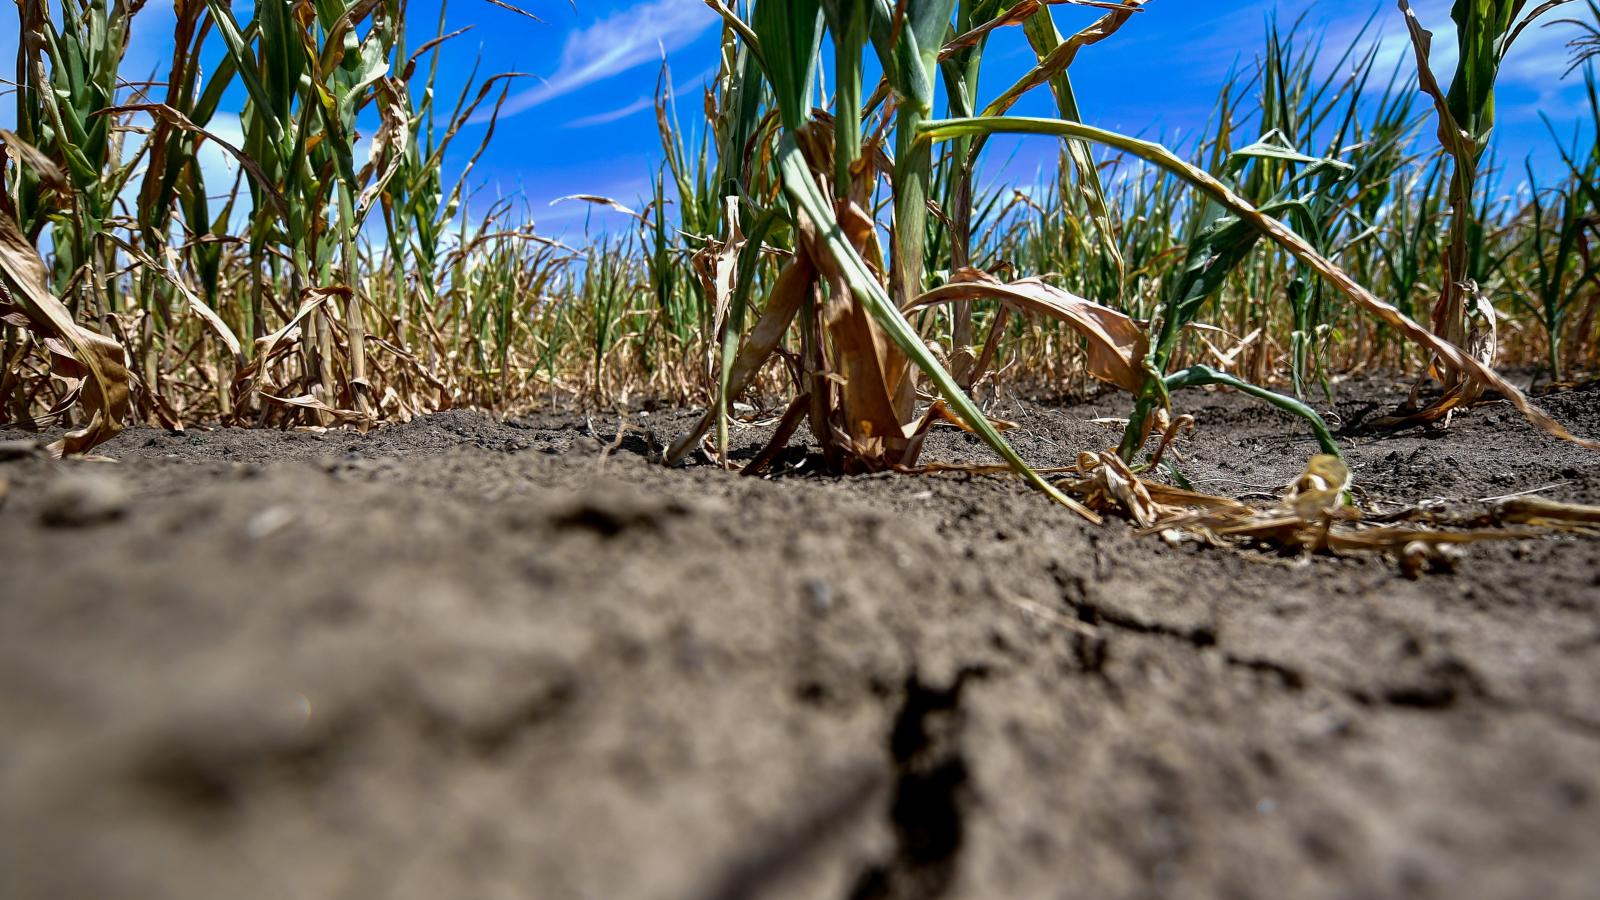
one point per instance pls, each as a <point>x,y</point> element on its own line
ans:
<point>625,40</point>
<point>1536,61</point>
<point>605,118</point>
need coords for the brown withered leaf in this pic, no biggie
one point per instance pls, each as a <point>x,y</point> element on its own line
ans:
<point>876,391</point>
<point>102,360</point>
<point>1546,513</point>
<point>1483,343</point>
<point>389,143</point>
<point>35,159</point>
<point>269,187</point>
<point>169,273</point>
<point>1109,485</point>
<point>1117,345</point>
<point>598,200</point>
<point>783,301</point>
<point>1311,516</point>
<point>307,401</point>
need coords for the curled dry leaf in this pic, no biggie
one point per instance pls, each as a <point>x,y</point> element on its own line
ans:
<point>1483,343</point>
<point>717,265</point>
<point>1546,513</point>
<point>307,401</point>
<point>311,300</point>
<point>597,200</point>
<point>1311,516</point>
<point>1109,485</point>
<point>1117,345</point>
<point>874,373</point>
<point>169,273</point>
<point>101,361</point>
<point>389,144</point>
<point>1319,491</point>
<point>36,160</point>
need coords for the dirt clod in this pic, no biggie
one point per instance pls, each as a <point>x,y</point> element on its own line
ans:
<point>80,499</point>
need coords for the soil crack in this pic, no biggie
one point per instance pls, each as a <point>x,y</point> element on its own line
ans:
<point>1201,636</point>
<point>932,790</point>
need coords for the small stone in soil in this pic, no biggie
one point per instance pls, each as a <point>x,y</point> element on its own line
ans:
<point>267,522</point>
<point>82,499</point>
<point>819,596</point>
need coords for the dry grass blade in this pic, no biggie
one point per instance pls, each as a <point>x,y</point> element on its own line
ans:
<point>509,8</point>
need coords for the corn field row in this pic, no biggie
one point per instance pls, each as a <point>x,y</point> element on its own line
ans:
<point>815,242</point>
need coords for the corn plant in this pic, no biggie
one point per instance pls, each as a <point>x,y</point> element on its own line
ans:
<point>864,415</point>
<point>316,287</point>
<point>1485,32</point>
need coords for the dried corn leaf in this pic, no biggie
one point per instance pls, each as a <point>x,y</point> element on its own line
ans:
<point>1108,484</point>
<point>1280,234</point>
<point>35,159</point>
<point>788,292</point>
<point>1311,516</point>
<point>1483,343</point>
<point>717,264</point>
<point>871,370</point>
<point>1117,345</point>
<point>389,144</point>
<point>1545,513</point>
<point>102,360</point>
<point>307,401</point>
<point>599,201</point>
<point>269,187</point>
<point>169,273</point>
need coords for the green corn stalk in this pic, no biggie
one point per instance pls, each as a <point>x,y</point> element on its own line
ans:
<point>1485,33</point>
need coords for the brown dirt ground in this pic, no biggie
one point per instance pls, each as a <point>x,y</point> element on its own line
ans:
<point>461,658</point>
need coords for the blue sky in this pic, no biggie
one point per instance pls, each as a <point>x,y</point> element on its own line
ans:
<point>584,124</point>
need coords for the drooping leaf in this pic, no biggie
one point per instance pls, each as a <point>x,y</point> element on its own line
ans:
<point>106,382</point>
<point>1117,345</point>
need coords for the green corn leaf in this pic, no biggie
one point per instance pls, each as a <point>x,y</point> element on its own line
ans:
<point>790,33</point>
